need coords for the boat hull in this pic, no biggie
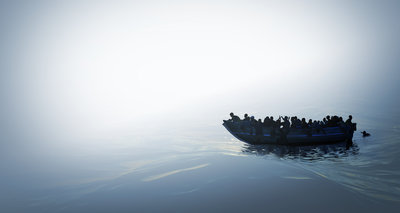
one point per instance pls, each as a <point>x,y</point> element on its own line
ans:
<point>290,136</point>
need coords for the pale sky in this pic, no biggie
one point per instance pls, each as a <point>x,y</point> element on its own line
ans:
<point>98,65</point>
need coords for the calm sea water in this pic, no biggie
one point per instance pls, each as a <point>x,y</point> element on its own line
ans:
<point>76,77</point>
<point>200,167</point>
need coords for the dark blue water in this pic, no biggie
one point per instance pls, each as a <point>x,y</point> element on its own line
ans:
<point>200,167</point>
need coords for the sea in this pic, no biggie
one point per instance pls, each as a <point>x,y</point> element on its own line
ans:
<point>117,106</point>
<point>192,164</point>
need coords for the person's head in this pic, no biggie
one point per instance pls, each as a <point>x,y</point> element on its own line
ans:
<point>231,114</point>
<point>350,117</point>
<point>328,117</point>
<point>246,115</point>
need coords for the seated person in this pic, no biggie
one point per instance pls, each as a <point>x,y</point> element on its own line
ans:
<point>234,117</point>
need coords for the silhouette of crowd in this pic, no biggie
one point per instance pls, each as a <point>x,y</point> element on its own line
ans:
<point>292,122</point>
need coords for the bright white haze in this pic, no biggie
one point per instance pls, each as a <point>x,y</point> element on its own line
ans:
<point>103,65</point>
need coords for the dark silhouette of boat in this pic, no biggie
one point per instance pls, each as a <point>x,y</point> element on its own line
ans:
<point>290,136</point>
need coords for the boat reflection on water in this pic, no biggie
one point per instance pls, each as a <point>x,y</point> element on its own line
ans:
<point>304,153</point>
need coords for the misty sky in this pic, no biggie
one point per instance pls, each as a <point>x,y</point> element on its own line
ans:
<point>82,67</point>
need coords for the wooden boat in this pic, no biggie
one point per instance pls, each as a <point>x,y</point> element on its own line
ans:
<point>289,136</point>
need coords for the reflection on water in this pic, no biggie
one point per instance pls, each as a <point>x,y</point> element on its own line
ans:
<point>303,153</point>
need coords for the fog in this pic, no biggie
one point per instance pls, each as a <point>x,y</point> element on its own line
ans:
<point>84,69</point>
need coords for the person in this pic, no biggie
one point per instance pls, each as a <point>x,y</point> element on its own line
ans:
<point>350,128</point>
<point>310,123</point>
<point>317,126</point>
<point>234,117</point>
<point>348,121</point>
<point>292,122</point>
<point>365,134</point>
<point>297,123</point>
<point>266,121</point>
<point>278,122</point>
<point>245,122</point>
<point>328,121</point>
<point>286,123</point>
<point>335,120</point>
<point>341,123</point>
<point>324,122</point>
<point>321,126</point>
<point>303,123</point>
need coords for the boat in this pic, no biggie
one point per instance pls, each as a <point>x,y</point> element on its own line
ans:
<point>290,136</point>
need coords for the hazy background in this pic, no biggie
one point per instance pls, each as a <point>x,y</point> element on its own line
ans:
<point>78,77</point>
<point>86,67</point>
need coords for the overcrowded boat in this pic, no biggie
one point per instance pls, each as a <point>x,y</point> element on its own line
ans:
<point>291,130</point>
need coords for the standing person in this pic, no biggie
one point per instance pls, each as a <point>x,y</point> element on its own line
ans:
<point>348,121</point>
<point>351,127</point>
